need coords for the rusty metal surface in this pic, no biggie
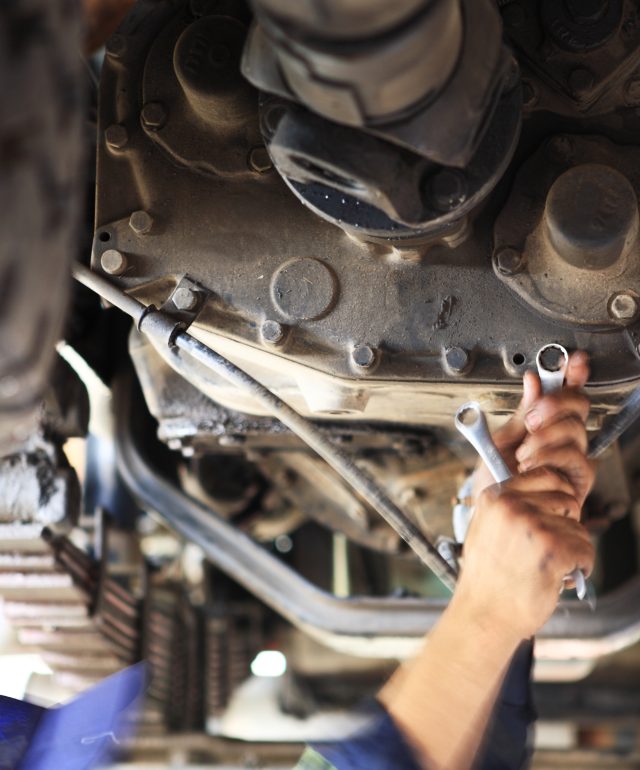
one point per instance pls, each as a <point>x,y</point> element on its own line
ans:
<point>377,341</point>
<point>601,221</point>
<point>366,626</point>
<point>573,64</point>
<point>237,231</point>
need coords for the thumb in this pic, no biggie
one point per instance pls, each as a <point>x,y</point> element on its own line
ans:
<point>513,432</point>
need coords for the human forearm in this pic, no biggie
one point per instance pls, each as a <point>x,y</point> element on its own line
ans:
<point>464,662</point>
<point>523,539</point>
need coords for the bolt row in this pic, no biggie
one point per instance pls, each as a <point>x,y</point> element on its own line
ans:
<point>154,117</point>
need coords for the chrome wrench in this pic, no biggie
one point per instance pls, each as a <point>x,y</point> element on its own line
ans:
<point>472,424</point>
<point>552,361</point>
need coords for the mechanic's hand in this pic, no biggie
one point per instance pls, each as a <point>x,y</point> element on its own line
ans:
<point>524,538</point>
<point>548,431</point>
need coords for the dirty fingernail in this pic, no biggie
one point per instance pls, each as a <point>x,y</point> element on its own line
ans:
<point>533,420</point>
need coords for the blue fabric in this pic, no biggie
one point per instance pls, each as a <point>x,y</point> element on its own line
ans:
<point>76,736</point>
<point>18,722</point>
<point>379,747</point>
<point>506,747</point>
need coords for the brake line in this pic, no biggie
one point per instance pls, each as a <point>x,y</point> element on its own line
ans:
<point>163,329</point>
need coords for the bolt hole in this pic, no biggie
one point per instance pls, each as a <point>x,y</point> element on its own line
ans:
<point>104,236</point>
<point>518,359</point>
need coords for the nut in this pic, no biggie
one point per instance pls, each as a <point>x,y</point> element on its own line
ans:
<point>259,160</point>
<point>113,262</point>
<point>141,222</point>
<point>185,299</point>
<point>509,261</point>
<point>623,306</point>
<point>272,332</point>
<point>153,115</point>
<point>116,136</point>
<point>448,190</point>
<point>458,360</point>
<point>363,356</point>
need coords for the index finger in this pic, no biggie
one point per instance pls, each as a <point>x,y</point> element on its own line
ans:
<point>554,406</point>
<point>577,372</point>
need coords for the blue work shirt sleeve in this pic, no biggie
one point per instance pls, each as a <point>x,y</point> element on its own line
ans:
<point>381,746</point>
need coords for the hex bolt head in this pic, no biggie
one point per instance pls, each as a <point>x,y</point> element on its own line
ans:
<point>185,299</point>
<point>448,190</point>
<point>116,45</point>
<point>116,136</point>
<point>509,261</point>
<point>141,222</point>
<point>363,356</point>
<point>458,360</point>
<point>113,262</point>
<point>581,81</point>
<point>153,115</point>
<point>259,160</point>
<point>272,332</point>
<point>623,306</point>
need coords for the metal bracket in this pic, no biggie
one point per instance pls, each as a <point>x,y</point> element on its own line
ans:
<point>186,300</point>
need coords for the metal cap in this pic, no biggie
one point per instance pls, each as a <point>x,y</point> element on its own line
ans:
<point>591,216</point>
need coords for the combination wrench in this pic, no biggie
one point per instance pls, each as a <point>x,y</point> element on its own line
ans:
<point>551,362</point>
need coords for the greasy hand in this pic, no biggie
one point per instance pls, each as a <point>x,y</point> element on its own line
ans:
<point>524,538</point>
<point>548,431</point>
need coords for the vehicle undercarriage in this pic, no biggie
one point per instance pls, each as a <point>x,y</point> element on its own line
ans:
<point>332,223</point>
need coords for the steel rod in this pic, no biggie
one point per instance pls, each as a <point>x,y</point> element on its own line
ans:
<point>389,627</point>
<point>339,460</point>
<point>615,426</point>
